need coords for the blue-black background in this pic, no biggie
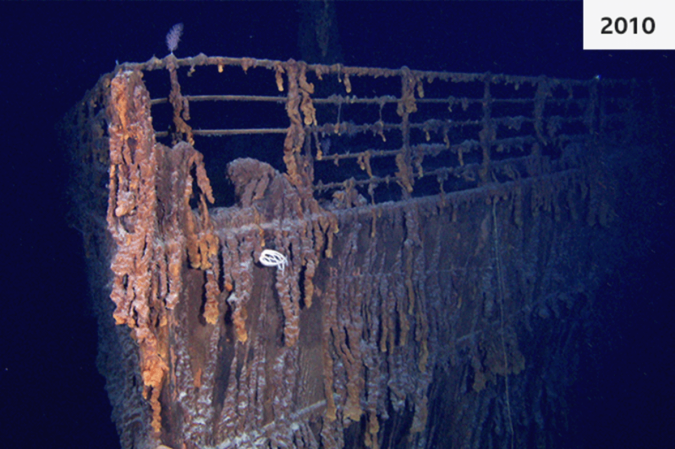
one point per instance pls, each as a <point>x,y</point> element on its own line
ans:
<point>51,395</point>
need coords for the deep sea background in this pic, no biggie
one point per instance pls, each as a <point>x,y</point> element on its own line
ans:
<point>51,395</point>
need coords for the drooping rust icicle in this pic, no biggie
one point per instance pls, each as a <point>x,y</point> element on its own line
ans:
<point>152,242</point>
<point>132,222</point>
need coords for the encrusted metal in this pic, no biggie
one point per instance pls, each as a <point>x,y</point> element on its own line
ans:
<point>434,232</point>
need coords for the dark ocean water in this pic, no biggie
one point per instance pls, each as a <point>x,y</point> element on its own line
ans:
<point>51,395</point>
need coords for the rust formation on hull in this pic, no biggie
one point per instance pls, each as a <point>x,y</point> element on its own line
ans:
<point>440,229</point>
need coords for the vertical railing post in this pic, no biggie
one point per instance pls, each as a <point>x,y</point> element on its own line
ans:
<point>488,133</point>
<point>406,106</point>
<point>593,108</point>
